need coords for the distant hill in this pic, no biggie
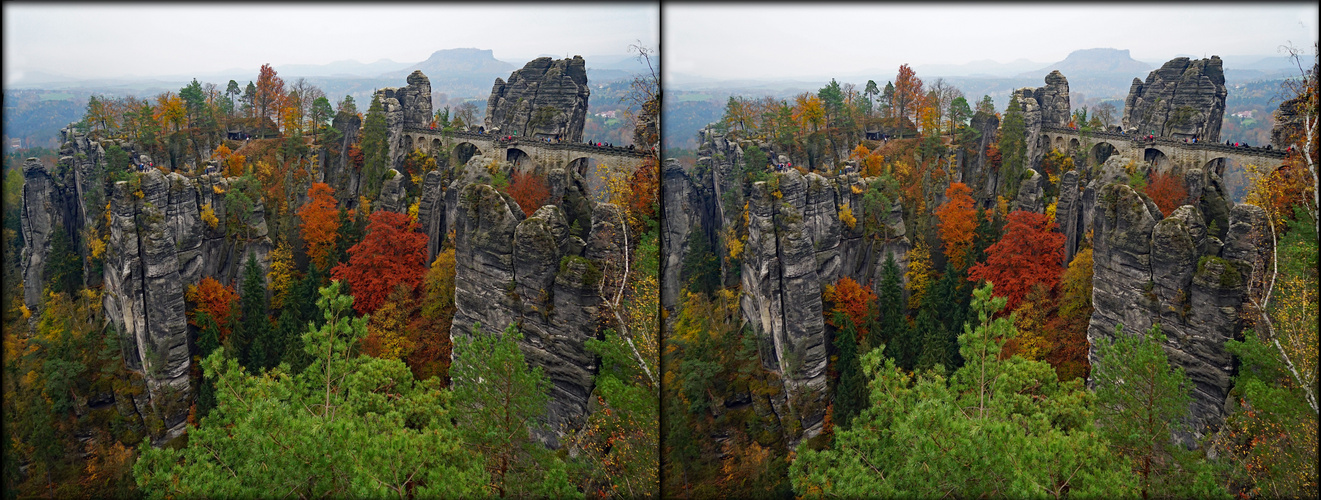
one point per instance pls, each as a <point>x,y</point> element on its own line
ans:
<point>1094,61</point>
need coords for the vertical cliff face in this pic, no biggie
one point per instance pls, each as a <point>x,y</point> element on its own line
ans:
<point>43,202</point>
<point>547,98</point>
<point>405,107</point>
<point>541,273</point>
<point>1046,106</point>
<point>796,245</point>
<point>1188,272</point>
<point>1183,98</point>
<point>144,286</point>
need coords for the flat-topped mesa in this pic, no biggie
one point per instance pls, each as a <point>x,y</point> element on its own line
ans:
<point>545,99</point>
<point>1182,99</point>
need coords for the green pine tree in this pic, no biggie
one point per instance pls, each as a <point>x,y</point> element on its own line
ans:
<point>850,390</point>
<point>375,149</point>
<point>1013,149</point>
<point>1143,405</point>
<point>250,342</point>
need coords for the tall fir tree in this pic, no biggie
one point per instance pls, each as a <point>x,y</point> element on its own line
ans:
<point>251,342</point>
<point>851,389</point>
<point>891,307</point>
<point>375,149</point>
<point>1013,148</point>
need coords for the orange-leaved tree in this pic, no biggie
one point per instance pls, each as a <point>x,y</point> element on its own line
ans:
<point>1029,253</point>
<point>392,252</point>
<point>217,301</point>
<point>645,184</point>
<point>958,220</point>
<point>529,190</point>
<point>855,302</point>
<point>1167,190</point>
<point>320,224</point>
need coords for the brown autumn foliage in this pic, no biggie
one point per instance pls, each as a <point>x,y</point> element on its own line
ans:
<point>529,190</point>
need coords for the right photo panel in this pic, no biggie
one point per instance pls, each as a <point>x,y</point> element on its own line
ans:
<point>989,251</point>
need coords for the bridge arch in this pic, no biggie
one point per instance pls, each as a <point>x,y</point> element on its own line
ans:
<point>408,142</point>
<point>464,151</point>
<point>1102,151</point>
<point>520,159</point>
<point>436,148</point>
<point>1159,161</point>
<point>1073,146</point>
<point>1059,143</point>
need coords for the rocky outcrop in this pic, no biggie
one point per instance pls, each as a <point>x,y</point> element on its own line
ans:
<point>1182,99</point>
<point>976,173</point>
<point>1046,106</point>
<point>541,273</point>
<point>676,223</point>
<point>1175,271</point>
<point>1029,193</point>
<point>43,202</point>
<point>144,285</point>
<point>341,174</point>
<point>394,195</point>
<point>547,98</point>
<point>796,244</point>
<point>405,107</point>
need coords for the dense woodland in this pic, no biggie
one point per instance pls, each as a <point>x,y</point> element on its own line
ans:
<point>969,376</point>
<point>331,373</point>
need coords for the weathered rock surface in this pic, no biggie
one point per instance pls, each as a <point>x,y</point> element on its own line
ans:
<point>1183,98</point>
<point>796,244</point>
<point>984,181</point>
<point>405,107</point>
<point>1043,106</point>
<point>394,195</point>
<point>144,287</point>
<point>677,220</point>
<point>1029,193</point>
<point>547,98</point>
<point>1173,271</point>
<point>540,272</point>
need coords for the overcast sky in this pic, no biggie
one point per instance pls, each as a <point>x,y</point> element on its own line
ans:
<point>93,41</point>
<point>737,41</point>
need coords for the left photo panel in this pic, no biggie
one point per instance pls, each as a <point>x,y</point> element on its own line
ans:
<point>331,250</point>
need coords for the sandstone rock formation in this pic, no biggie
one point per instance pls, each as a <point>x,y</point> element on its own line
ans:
<point>540,272</point>
<point>1179,272</point>
<point>1184,98</point>
<point>547,98</point>
<point>405,107</point>
<point>796,244</point>
<point>144,285</point>
<point>1046,106</point>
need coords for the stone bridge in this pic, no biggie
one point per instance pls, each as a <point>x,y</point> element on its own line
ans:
<point>1163,152</point>
<point>524,153</point>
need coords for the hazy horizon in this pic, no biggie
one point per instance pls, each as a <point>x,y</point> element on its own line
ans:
<point>87,41</point>
<point>798,42</point>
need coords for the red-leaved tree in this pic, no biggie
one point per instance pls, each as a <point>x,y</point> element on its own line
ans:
<point>217,301</point>
<point>1029,253</point>
<point>529,190</point>
<point>1167,190</point>
<point>854,301</point>
<point>392,252</point>
<point>958,220</point>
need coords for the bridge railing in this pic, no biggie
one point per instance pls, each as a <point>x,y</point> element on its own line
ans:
<point>560,146</point>
<point>1169,141</point>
